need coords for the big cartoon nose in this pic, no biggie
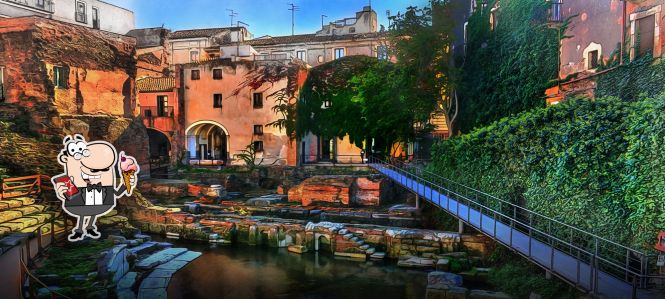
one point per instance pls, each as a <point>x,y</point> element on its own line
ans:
<point>101,156</point>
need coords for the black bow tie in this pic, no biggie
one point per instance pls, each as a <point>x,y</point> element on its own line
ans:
<point>97,187</point>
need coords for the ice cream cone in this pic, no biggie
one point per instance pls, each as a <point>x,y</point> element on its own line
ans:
<point>126,175</point>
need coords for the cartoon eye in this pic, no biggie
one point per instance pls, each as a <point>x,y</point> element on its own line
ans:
<point>71,149</point>
<point>81,146</point>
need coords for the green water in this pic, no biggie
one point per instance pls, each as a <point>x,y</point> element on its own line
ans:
<point>255,272</point>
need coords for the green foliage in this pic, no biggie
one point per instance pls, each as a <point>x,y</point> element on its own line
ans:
<point>518,278</point>
<point>248,155</point>
<point>597,165</point>
<point>506,70</point>
<point>630,81</point>
<point>372,99</point>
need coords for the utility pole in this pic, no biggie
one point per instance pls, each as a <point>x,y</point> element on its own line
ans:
<point>233,14</point>
<point>293,10</point>
<point>322,16</point>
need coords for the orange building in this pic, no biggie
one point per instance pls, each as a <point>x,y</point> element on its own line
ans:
<point>229,106</point>
<point>161,112</point>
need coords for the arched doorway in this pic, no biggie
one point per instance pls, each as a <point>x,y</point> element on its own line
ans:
<point>207,143</point>
<point>160,152</point>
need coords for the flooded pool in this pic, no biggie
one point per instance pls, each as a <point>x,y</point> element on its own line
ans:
<point>255,272</point>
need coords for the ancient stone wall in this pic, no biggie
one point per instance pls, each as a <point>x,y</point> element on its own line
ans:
<point>71,79</point>
<point>342,190</point>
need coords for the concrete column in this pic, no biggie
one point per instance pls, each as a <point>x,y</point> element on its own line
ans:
<point>460,226</point>
<point>417,201</point>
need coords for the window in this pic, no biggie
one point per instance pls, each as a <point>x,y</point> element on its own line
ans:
<point>258,146</point>
<point>40,3</point>
<point>80,12</point>
<point>555,11</point>
<point>194,56</point>
<point>217,74</point>
<point>196,74</point>
<point>339,53</point>
<point>2,83</point>
<point>217,100</point>
<point>645,38</point>
<point>258,129</point>
<point>592,59</point>
<point>319,59</point>
<point>327,104</point>
<point>257,100</point>
<point>60,77</point>
<point>95,18</point>
<point>382,52</point>
<point>162,103</point>
<point>300,55</point>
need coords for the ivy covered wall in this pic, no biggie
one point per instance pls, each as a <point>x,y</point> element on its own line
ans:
<point>507,69</point>
<point>598,165</point>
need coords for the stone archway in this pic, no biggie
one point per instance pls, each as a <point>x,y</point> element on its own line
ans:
<point>160,152</point>
<point>207,143</point>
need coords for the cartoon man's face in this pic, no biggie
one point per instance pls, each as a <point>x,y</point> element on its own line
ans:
<point>89,163</point>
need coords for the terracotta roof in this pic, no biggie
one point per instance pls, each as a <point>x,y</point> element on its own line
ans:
<point>150,84</point>
<point>310,38</point>
<point>205,32</point>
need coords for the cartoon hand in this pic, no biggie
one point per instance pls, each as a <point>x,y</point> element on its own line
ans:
<point>60,190</point>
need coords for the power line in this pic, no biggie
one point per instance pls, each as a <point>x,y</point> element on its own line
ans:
<point>293,10</point>
<point>233,14</point>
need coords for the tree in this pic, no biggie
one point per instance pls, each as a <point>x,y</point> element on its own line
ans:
<point>421,40</point>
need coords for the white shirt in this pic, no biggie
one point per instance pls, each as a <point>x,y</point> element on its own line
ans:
<point>93,198</point>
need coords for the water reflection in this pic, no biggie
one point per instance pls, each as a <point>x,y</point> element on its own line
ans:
<point>253,272</point>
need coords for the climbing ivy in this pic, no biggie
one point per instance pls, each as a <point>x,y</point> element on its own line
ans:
<point>630,81</point>
<point>598,165</point>
<point>507,69</point>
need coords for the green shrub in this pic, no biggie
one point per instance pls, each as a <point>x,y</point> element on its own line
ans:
<point>597,165</point>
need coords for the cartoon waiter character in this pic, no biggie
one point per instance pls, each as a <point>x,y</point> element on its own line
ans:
<point>87,188</point>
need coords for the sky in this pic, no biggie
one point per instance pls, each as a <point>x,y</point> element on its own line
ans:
<point>265,17</point>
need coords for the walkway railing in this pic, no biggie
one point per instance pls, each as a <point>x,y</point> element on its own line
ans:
<point>588,261</point>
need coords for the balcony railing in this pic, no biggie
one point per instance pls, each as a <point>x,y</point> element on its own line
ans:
<point>43,5</point>
<point>161,119</point>
<point>2,92</point>
<point>154,111</point>
<point>555,10</point>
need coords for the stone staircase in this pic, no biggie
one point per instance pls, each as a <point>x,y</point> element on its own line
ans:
<point>22,215</point>
<point>149,277</point>
<point>356,246</point>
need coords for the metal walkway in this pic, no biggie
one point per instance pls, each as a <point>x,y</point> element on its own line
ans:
<point>590,263</point>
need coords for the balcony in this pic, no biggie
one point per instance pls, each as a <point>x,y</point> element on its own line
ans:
<point>555,10</point>
<point>161,119</point>
<point>41,5</point>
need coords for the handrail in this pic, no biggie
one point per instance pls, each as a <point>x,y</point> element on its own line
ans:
<point>600,253</point>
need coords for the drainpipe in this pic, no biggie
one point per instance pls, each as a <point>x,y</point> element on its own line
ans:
<point>623,32</point>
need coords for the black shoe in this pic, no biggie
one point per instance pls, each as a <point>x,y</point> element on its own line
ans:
<point>75,236</point>
<point>92,233</point>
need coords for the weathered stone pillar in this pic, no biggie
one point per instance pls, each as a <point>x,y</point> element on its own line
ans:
<point>417,201</point>
<point>460,226</point>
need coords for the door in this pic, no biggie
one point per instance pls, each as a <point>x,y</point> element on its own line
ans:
<point>645,29</point>
<point>95,18</point>
<point>327,148</point>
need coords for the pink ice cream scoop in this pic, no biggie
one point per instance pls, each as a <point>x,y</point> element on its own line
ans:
<point>129,167</point>
<point>127,163</point>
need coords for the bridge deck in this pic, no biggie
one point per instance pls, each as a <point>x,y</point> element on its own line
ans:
<point>574,270</point>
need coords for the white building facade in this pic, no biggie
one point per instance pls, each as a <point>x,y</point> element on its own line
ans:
<point>94,14</point>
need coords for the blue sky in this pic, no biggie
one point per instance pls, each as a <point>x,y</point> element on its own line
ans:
<point>265,17</point>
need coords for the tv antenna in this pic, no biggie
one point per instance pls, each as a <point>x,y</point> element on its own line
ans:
<point>293,10</point>
<point>232,14</point>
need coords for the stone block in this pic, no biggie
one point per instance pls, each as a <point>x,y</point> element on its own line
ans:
<point>351,255</point>
<point>443,264</point>
<point>297,248</point>
<point>439,280</point>
<point>159,258</point>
